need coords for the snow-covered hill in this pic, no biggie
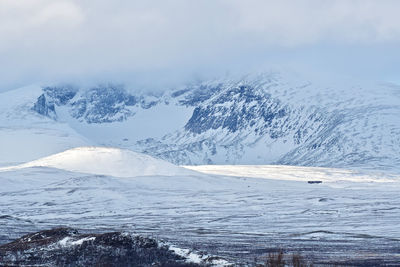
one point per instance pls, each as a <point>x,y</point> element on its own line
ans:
<point>267,118</point>
<point>105,161</point>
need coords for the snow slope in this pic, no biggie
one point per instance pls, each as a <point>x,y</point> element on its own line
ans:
<point>274,119</point>
<point>26,135</point>
<point>106,161</point>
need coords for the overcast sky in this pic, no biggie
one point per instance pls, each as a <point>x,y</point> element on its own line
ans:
<point>159,42</point>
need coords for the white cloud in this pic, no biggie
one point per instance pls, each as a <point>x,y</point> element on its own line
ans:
<point>288,22</point>
<point>55,39</point>
<point>24,16</point>
<point>63,12</point>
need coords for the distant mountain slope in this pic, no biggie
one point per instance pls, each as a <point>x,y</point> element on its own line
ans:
<point>25,134</point>
<point>272,119</point>
<point>267,118</point>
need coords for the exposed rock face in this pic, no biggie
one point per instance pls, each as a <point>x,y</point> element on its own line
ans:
<point>43,107</point>
<point>60,95</point>
<point>67,247</point>
<point>103,104</point>
<point>247,107</point>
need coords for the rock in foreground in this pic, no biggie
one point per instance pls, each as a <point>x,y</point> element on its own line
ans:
<point>67,247</point>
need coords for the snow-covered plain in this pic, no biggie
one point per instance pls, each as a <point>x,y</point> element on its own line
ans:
<point>232,214</point>
<point>298,173</point>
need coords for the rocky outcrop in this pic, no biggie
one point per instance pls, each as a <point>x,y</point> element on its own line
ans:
<point>68,247</point>
<point>43,107</point>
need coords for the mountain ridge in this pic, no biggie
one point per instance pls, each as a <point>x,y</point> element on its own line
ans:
<point>266,118</point>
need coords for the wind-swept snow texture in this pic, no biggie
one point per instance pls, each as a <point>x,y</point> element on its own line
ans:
<point>267,118</point>
<point>106,161</point>
<point>236,217</point>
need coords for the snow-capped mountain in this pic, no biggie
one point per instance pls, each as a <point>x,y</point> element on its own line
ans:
<point>255,119</point>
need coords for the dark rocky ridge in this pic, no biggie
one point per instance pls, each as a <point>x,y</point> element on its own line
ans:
<point>68,247</point>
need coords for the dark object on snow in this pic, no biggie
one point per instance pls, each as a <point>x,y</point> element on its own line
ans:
<point>314,182</point>
<point>67,247</point>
